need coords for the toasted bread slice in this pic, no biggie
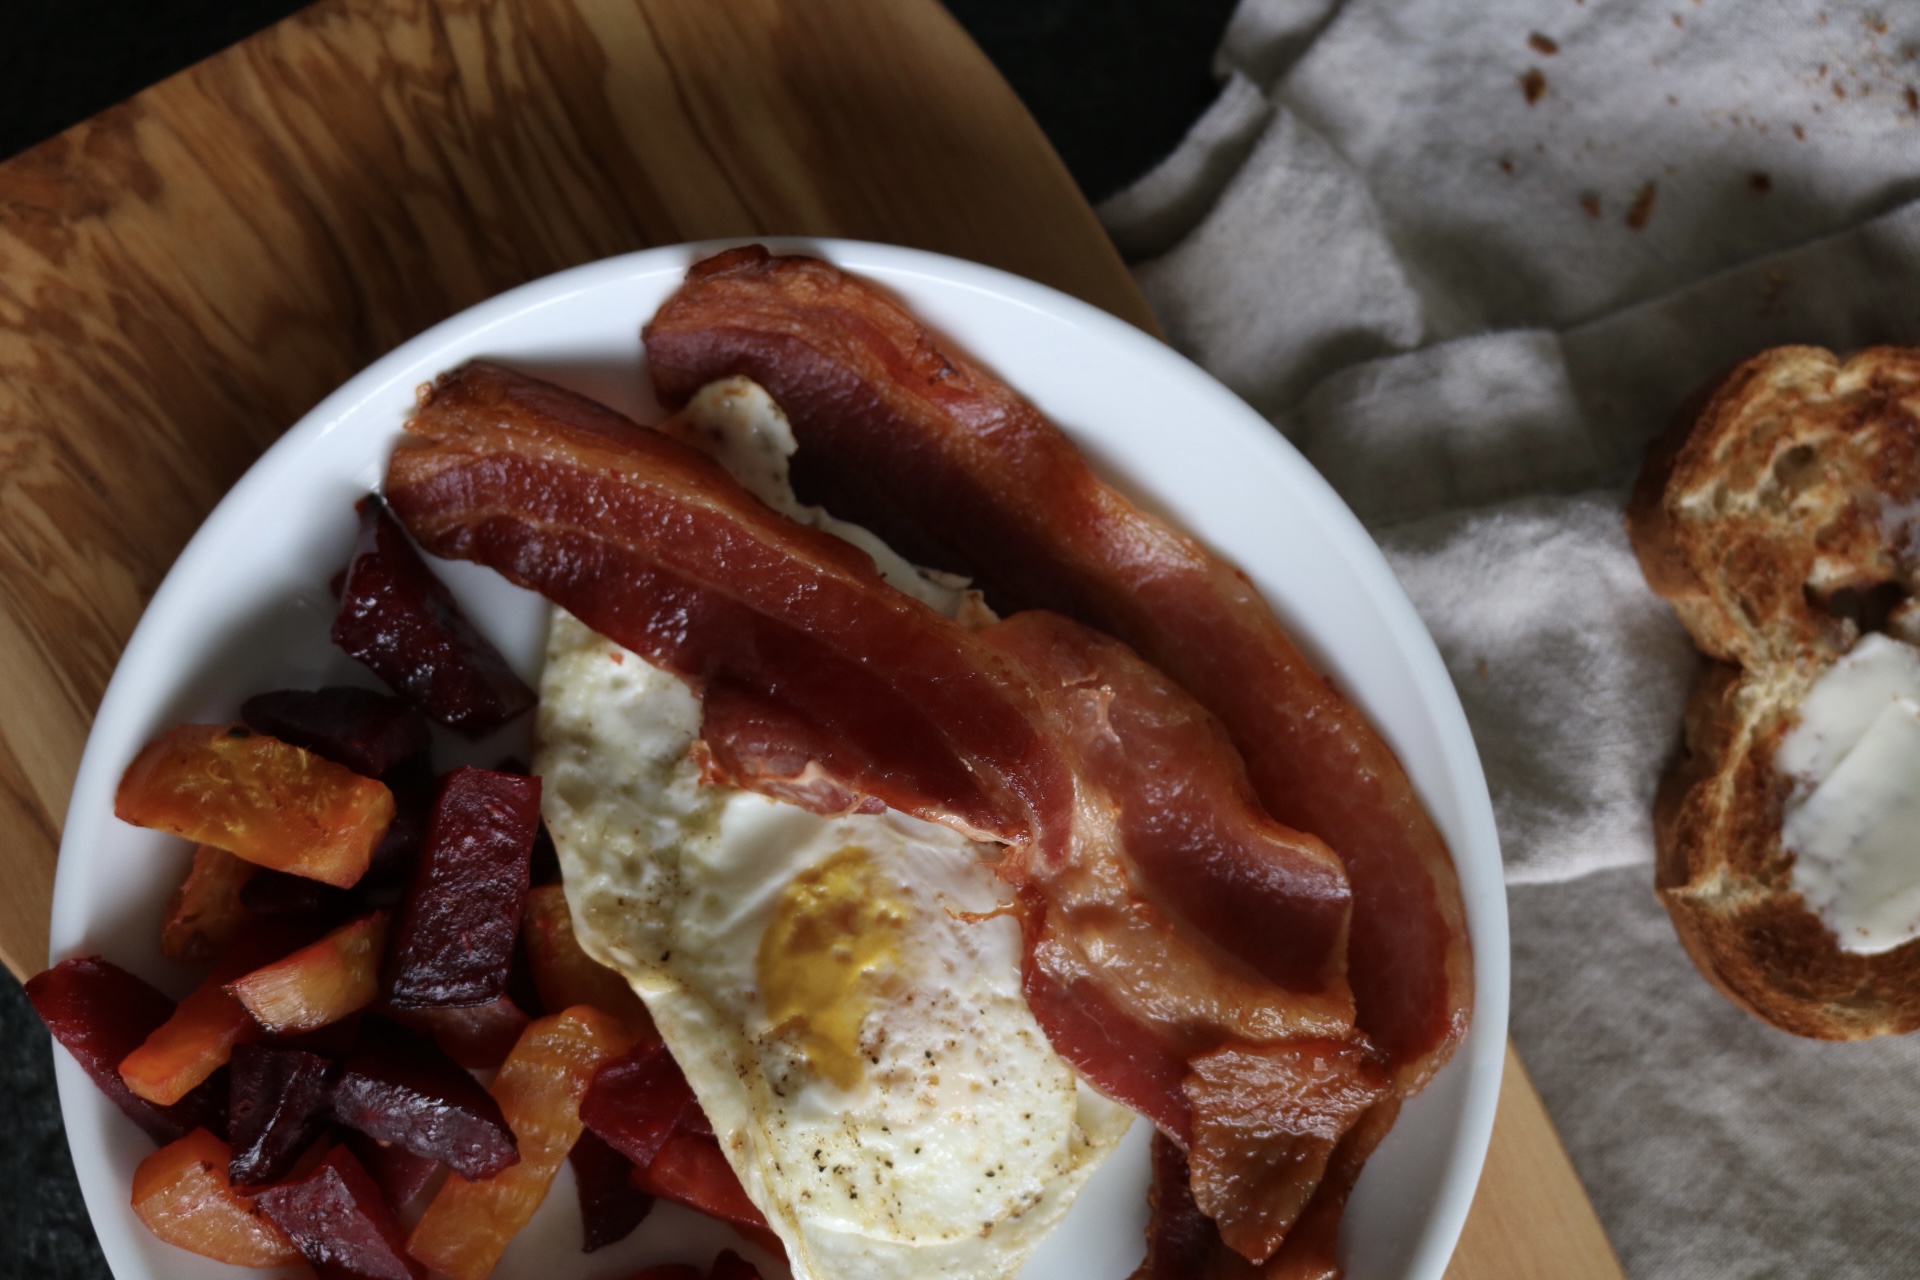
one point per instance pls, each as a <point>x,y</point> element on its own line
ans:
<point>1781,517</point>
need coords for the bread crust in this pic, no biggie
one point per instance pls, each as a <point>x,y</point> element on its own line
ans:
<point>1779,515</point>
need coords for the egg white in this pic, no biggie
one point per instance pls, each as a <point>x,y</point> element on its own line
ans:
<point>965,1137</point>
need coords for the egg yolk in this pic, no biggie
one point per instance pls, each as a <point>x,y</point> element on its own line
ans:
<point>835,930</point>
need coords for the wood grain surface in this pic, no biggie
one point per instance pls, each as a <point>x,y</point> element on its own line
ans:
<point>185,275</point>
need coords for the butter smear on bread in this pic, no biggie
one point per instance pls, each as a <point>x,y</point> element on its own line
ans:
<point>1853,822</point>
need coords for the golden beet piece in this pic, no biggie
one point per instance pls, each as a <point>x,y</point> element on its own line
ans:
<point>468,1224</point>
<point>182,1193</point>
<point>565,974</point>
<point>319,984</point>
<point>195,1042</point>
<point>258,798</point>
<point>205,912</point>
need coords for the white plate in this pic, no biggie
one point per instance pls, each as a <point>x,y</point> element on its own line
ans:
<point>246,608</point>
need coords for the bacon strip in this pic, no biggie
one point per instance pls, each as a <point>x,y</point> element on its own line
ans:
<point>947,464</point>
<point>1150,880</point>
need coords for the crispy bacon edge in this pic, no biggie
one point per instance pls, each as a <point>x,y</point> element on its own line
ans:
<point>819,670</point>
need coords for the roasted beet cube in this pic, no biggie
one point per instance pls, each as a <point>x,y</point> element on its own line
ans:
<point>637,1101</point>
<point>691,1170</point>
<point>368,732</point>
<point>318,984</point>
<point>181,1192</point>
<point>458,922</point>
<point>565,974</point>
<point>400,620</point>
<point>268,801</point>
<point>401,1174</point>
<point>414,786</point>
<point>468,1224</point>
<point>209,908</point>
<point>278,1101</point>
<point>193,1043</point>
<point>478,1036</point>
<point>401,1089</point>
<point>100,1013</point>
<point>340,1222</point>
<point>731,1266</point>
<point>610,1205</point>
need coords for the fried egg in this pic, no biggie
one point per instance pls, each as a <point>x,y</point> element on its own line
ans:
<point>841,992</point>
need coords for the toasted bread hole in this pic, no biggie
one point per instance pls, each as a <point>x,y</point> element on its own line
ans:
<point>1867,608</point>
<point>1795,471</point>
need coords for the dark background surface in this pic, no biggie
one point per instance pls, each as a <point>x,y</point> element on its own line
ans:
<point>1115,84</point>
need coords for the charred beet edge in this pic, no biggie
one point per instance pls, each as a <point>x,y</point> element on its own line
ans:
<point>402,1089</point>
<point>368,732</point>
<point>454,943</point>
<point>340,1222</point>
<point>278,1105</point>
<point>101,1013</point>
<point>400,620</point>
<point>610,1205</point>
<point>414,786</point>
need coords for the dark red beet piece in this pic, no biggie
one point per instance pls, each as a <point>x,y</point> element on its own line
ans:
<point>636,1101</point>
<point>543,867</point>
<point>453,943</point>
<point>667,1271</point>
<point>414,786</point>
<point>400,620</point>
<point>338,1219</point>
<point>368,732</point>
<point>731,1266</point>
<point>101,1013</point>
<point>477,1036</point>
<point>278,1100</point>
<point>610,1205</point>
<point>400,1088</point>
<point>401,1174</point>
<point>693,1171</point>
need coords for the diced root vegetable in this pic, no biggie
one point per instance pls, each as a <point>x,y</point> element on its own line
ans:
<point>400,620</point>
<point>637,1101</point>
<point>401,1174</point>
<point>205,912</point>
<point>367,732</point>
<point>477,1036</point>
<point>610,1205</point>
<point>100,1013</point>
<point>182,1193</point>
<point>468,1224</point>
<point>279,1100</point>
<point>565,974</point>
<point>318,984</point>
<point>192,1044</point>
<point>693,1171</point>
<point>340,1222</point>
<point>261,799</point>
<point>454,941</point>
<point>401,1089</point>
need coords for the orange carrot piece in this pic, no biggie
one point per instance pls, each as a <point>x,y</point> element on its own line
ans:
<point>565,974</point>
<point>258,798</point>
<point>319,984</point>
<point>468,1224</point>
<point>182,1193</point>
<point>197,1040</point>
<point>204,913</point>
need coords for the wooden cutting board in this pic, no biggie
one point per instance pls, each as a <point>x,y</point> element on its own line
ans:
<point>186,274</point>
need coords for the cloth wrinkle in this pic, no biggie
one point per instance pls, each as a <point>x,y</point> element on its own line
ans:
<point>1471,264</point>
